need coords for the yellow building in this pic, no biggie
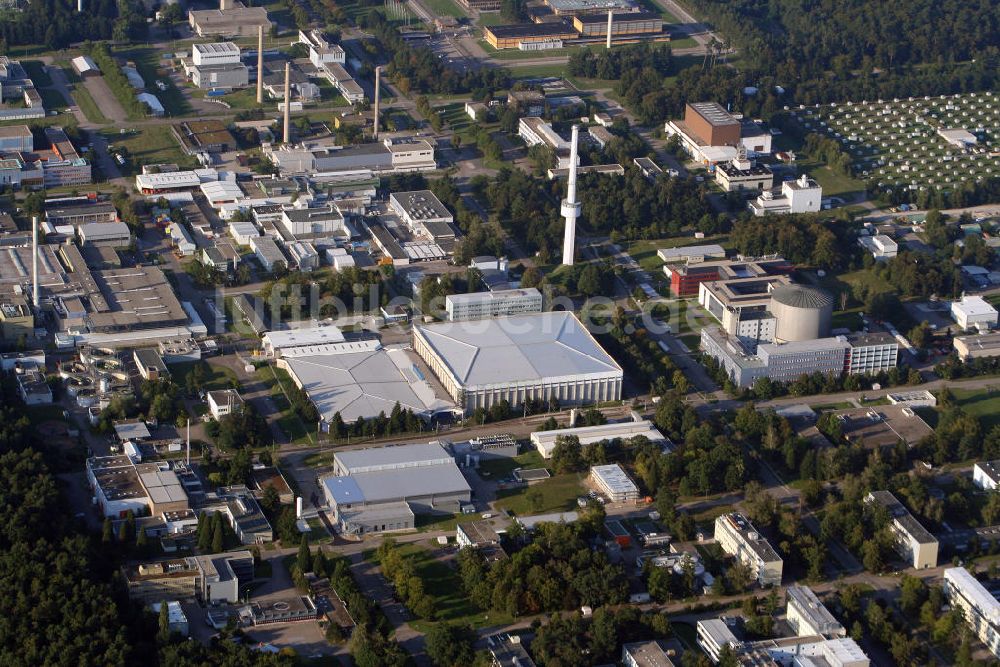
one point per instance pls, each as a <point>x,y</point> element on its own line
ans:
<point>511,36</point>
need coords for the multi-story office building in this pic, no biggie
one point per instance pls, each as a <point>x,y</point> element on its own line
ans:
<point>737,537</point>
<point>714,635</point>
<point>502,303</point>
<point>213,578</point>
<point>614,482</point>
<point>913,541</point>
<point>980,609</point>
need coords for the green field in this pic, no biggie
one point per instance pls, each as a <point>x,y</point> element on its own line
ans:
<point>557,494</point>
<point>153,144</point>
<point>536,71</point>
<point>503,467</point>
<point>216,377</point>
<point>87,105</point>
<point>445,8</point>
<point>982,403</point>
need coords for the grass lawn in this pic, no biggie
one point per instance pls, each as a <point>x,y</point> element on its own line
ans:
<point>490,18</point>
<point>87,105</point>
<point>556,494</point>
<point>290,423</point>
<point>846,281</point>
<point>832,182</point>
<point>683,43</point>
<point>982,403</point>
<point>216,377</point>
<point>445,8</point>
<point>847,319</point>
<point>502,467</point>
<point>537,71</point>
<point>443,584</point>
<point>445,522</point>
<point>152,145</point>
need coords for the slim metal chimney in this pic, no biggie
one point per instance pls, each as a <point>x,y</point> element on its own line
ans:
<point>288,102</point>
<point>378,86</point>
<point>79,6</point>
<point>610,15</point>
<point>570,206</point>
<point>34,260</point>
<point>189,443</point>
<point>260,64</point>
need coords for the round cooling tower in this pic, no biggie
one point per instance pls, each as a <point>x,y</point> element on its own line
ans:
<point>802,313</point>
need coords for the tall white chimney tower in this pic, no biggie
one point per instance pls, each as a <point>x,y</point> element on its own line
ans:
<point>260,64</point>
<point>610,15</point>
<point>34,261</point>
<point>378,92</point>
<point>570,206</point>
<point>79,6</point>
<point>189,443</point>
<point>286,136</point>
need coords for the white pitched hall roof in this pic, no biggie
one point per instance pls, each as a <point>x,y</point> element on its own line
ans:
<point>518,349</point>
<point>363,384</point>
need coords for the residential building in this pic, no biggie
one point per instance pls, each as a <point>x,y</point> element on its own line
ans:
<point>651,653</point>
<point>714,634</point>
<point>222,402</point>
<point>807,615</point>
<point>913,541</point>
<point>501,303</point>
<point>986,475</point>
<point>803,195</point>
<point>973,312</point>
<point>614,483</point>
<point>540,356</point>
<point>979,607</point>
<point>737,537</point>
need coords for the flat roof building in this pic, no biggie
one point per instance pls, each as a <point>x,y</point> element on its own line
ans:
<point>79,211</point>
<point>513,36</point>
<point>913,541</point>
<point>737,537</point>
<point>150,364</point>
<point>105,234</point>
<point>235,21</point>
<point>501,303</point>
<point>540,356</point>
<point>383,488</point>
<point>713,634</point>
<point>808,616</point>
<point>476,534</point>
<point>980,608</point>
<point>692,253</point>
<point>651,653</point>
<point>614,482</point>
<point>209,578</point>
<point>973,312</point>
<point>545,441</point>
<point>977,346</point>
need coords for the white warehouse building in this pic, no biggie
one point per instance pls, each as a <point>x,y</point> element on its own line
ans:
<point>501,303</point>
<point>973,312</point>
<point>539,356</point>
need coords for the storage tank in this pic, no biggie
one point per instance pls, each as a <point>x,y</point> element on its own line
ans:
<point>802,313</point>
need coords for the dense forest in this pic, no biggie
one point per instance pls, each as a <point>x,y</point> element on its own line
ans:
<point>56,23</point>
